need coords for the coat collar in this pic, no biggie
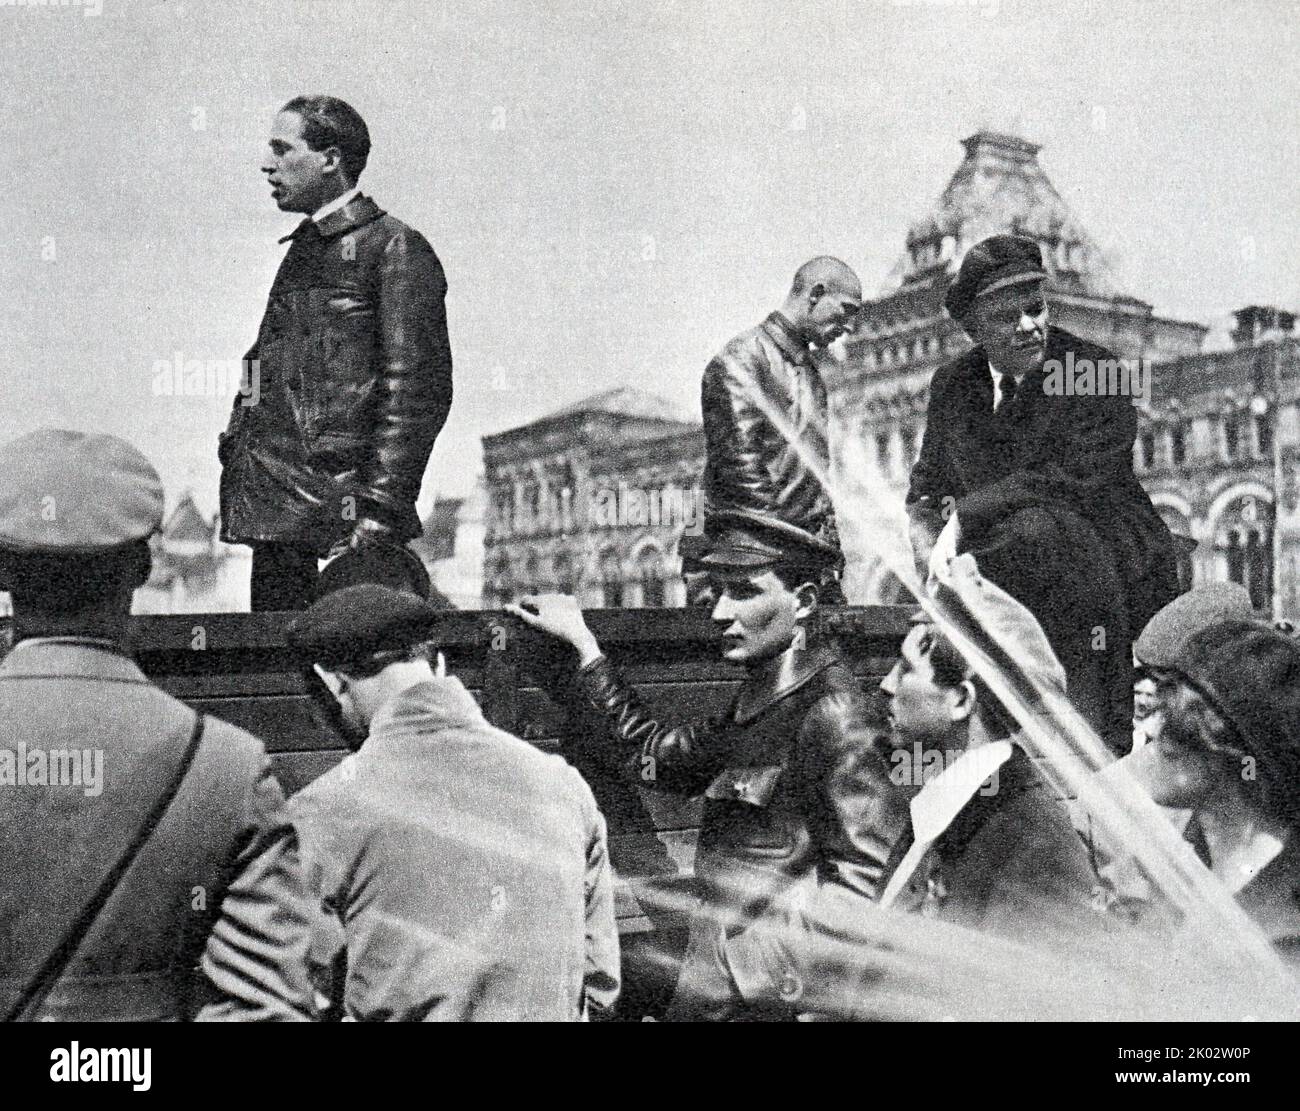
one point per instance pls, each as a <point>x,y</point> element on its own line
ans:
<point>427,707</point>
<point>70,657</point>
<point>766,686</point>
<point>358,211</point>
<point>784,336</point>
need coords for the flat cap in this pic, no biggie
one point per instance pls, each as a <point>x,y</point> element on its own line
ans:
<point>1165,635</point>
<point>992,618</point>
<point>745,542</point>
<point>1250,673</point>
<point>75,493</point>
<point>359,621</point>
<point>993,264</point>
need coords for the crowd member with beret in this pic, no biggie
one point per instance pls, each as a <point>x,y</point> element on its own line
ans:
<point>166,880</point>
<point>1037,482</point>
<point>795,785</point>
<point>460,873</point>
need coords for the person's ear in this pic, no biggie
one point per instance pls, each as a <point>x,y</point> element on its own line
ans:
<point>331,160</point>
<point>964,701</point>
<point>806,596</point>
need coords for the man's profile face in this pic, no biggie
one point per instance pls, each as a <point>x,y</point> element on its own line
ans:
<point>296,173</point>
<point>919,708</point>
<point>758,613</point>
<point>1011,326</point>
<point>834,314</point>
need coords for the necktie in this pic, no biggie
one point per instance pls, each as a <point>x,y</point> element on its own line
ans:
<point>1008,385</point>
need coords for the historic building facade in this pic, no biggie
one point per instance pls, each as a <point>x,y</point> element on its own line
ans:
<point>1218,449</point>
<point>591,501</point>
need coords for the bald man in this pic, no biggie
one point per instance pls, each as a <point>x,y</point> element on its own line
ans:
<point>751,468</point>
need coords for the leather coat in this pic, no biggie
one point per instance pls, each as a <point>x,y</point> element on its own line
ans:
<point>353,385</point>
<point>796,790</point>
<point>750,466</point>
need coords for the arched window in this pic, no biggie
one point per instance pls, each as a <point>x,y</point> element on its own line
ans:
<point>1244,533</point>
<point>611,580</point>
<point>650,568</point>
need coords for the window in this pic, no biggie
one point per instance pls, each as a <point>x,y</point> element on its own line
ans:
<point>1177,445</point>
<point>1147,450</point>
<point>611,580</point>
<point>650,567</point>
<point>1264,435</point>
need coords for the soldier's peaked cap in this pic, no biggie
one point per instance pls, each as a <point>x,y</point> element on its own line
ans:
<point>742,542</point>
<point>75,493</point>
<point>358,622</point>
<point>993,264</point>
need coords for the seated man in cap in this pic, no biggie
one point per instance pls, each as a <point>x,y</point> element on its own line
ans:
<point>795,788</point>
<point>750,466</point>
<point>1229,753</point>
<point>150,842</point>
<point>464,872</point>
<point>1037,481</point>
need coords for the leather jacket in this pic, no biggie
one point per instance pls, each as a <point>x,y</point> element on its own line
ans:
<point>750,466</point>
<point>353,385</point>
<point>793,783</point>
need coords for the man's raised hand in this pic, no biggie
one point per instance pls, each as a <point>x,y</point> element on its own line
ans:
<point>558,615</point>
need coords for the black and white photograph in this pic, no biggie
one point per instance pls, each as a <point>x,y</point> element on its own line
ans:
<point>650,511</point>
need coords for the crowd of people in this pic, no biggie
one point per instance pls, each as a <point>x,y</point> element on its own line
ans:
<point>449,870</point>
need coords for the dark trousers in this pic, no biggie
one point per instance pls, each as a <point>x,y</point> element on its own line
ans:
<point>284,577</point>
<point>1056,564</point>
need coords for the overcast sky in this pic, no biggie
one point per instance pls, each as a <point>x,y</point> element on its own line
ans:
<point>614,190</point>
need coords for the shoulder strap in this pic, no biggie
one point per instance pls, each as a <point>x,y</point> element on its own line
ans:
<point>42,983</point>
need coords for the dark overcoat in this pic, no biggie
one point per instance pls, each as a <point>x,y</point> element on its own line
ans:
<point>1047,501</point>
<point>351,384</point>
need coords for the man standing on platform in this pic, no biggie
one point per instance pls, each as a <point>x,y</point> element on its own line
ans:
<point>353,365</point>
<point>1037,482</point>
<point>751,468</point>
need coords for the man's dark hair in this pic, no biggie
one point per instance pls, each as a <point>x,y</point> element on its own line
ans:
<point>951,670</point>
<point>330,122</point>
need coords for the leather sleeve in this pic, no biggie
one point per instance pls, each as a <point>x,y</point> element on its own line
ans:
<point>658,756</point>
<point>735,434</point>
<point>255,959</point>
<point>414,369</point>
<point>859,818</point>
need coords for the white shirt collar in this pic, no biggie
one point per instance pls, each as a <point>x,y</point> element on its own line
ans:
<point>937,804</point>
<point>1249,860</point>
<point>334,205</point>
